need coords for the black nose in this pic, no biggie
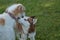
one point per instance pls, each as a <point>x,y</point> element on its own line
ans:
<point>22,16</point>
<point>18,18</point>
<point>25,19</point>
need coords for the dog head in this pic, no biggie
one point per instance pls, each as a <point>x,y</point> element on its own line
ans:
<point>16,9</point>
<point>29,23</point>
<point>28,20</point>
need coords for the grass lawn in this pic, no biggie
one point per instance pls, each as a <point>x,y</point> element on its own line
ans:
<point>47,12</point>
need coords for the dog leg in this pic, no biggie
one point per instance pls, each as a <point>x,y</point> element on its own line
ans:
<point>23,37</point>
<point>32,36</point>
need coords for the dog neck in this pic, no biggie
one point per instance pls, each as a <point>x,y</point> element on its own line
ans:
<point>13,17</point>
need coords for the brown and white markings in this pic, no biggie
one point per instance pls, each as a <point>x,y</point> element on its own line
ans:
<point>2,21</point>
<point>28,28</point>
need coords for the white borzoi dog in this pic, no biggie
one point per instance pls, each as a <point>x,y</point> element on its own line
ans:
<point>7,21</point>
<point>26,27</point>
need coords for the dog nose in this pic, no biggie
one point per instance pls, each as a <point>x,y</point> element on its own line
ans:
<point>25,19</point>
<point>22,16</point>
<point>18,18</point>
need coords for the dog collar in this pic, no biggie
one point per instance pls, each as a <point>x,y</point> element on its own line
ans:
<point>13,17</point>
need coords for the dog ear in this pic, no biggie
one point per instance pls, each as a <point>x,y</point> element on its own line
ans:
<point>21,7</point>
<point>34,21</point>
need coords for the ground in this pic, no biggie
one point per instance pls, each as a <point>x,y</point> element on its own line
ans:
<point>46,11</point>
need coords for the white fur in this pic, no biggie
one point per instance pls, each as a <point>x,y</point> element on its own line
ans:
<point>13,7</point>
<point>7,31</point>
<point>25,26</point>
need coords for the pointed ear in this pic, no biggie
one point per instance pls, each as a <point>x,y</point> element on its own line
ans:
<point>34,21</point>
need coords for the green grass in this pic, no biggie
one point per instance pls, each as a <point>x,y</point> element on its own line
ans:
<point>47,12</point>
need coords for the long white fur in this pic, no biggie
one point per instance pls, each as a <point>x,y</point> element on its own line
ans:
<point>7,31</point>
<point>13,7</point>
